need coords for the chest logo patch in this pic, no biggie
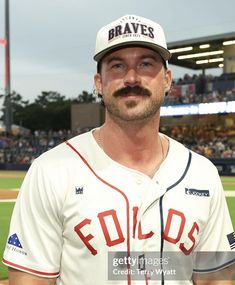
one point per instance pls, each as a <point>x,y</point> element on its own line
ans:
<point>78,190</point>
<point>197,192</point>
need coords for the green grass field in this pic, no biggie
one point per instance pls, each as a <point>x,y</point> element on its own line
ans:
<point>231,206</point>
<point>9,180</point>
<point>5,213</point>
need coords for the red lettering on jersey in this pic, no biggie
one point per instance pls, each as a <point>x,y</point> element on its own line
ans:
<point>192,238</point>
<point>87,238</point>
<point>111,213</point>
<point>171,214</point>
<point>140,234</point>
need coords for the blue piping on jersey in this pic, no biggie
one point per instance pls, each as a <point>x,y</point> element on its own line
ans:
<point>185,172</point>
<point>162,234</point>
<point>161,210</point>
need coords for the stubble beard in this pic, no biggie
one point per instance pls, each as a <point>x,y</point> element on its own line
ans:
<point>148,108</point>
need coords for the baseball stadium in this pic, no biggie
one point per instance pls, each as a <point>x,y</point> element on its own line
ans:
<point>199,112</point>
<point>210,132</point>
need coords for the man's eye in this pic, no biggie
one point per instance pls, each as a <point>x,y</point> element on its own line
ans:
<point>117,66</point>
<point>146,64</point>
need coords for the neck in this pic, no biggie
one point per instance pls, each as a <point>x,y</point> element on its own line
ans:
<point>138,146</point>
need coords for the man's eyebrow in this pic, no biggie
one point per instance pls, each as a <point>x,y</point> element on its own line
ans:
<point>113,58</point>
<point>141,57</point>
<point>149,56</point>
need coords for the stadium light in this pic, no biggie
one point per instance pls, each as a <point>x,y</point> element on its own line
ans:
<point>212,60</point>
<point>227,43</point>
<point>180,49</point>
<point>204,61</point>
<point>218,59</point>
<point>204,46</point>
<point>201,54</point>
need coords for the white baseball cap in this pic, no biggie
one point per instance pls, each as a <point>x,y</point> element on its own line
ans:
<point>131,30</point>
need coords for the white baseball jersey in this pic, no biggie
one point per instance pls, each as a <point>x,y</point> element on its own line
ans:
<point>86,219</point>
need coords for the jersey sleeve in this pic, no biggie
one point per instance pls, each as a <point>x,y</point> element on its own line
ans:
<point>215,250</point>
<point>35,237</point>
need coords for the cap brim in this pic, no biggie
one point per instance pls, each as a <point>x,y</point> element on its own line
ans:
<point>165,54</point>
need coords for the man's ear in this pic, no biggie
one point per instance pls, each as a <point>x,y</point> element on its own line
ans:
<point>98,83</point>
<point>168,81</point>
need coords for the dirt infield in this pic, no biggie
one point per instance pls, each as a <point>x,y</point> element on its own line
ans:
<point>4,282</point>
<point>9,194</point>
<point>6,194</point>
<point>12,174</point>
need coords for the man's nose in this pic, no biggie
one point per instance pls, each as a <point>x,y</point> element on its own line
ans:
<point>131,77</point>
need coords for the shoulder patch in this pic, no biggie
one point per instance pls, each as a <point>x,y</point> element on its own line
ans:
<point>231,240</point>
<point>14,240</point>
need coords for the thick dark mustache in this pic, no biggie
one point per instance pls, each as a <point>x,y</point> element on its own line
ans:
<point>135,89</point>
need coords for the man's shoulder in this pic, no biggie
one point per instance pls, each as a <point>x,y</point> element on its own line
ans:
<point>196,160</point>
<point>63,152</point>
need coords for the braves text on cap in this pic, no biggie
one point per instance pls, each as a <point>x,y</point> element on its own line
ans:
<point>131,30</point>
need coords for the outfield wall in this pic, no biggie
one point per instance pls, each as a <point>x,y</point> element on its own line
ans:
<point>14,166</point>
<point>225,166</point>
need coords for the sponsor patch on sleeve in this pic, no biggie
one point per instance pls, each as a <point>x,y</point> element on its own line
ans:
<point>197,192</point>
<point>231,240</point>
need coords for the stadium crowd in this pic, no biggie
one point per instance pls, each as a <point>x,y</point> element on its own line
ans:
<point>197,89</point>
<point>26,147</point>
<point>201,89</point>
<point>192,98</point>
<point>210,141</point>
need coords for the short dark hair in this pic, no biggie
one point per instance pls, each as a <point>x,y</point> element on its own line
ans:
<point>99,66</point>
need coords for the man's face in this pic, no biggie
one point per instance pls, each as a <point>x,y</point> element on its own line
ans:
<point>133,82</point>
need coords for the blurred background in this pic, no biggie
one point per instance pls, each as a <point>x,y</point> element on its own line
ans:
<point>47,69</point>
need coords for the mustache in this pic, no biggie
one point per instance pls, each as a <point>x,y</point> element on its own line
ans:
<point>135,89</point>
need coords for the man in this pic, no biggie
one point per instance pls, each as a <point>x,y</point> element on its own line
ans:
<point>118,204</point>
